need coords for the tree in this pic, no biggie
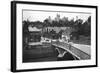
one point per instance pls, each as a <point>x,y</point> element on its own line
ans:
<point>25,33</point>
<point>46,23</point>
<point>25,27</point>
<point>87,27</point>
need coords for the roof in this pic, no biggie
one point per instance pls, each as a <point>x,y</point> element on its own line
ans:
<point>32,29</point>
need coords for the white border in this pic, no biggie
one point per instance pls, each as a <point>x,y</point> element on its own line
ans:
<point>21,66</point>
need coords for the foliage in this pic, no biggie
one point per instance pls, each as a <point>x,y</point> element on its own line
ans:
<point>80,27</point>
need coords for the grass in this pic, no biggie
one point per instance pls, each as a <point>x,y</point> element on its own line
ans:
<point>83,40</point>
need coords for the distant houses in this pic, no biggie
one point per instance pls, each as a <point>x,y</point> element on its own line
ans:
<point>57,29</point>
<point>36,34</point>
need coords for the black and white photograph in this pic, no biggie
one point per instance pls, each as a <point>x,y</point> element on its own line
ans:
<point>48,36</point>
<point>56,36</point>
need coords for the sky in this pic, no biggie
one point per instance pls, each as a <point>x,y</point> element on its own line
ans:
<point>42,15</point>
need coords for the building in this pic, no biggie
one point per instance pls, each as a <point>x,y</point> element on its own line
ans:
<point>34,34</point>
<point>66,34</point>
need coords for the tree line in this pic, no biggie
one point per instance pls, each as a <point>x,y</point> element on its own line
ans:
<point>80,27</point>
